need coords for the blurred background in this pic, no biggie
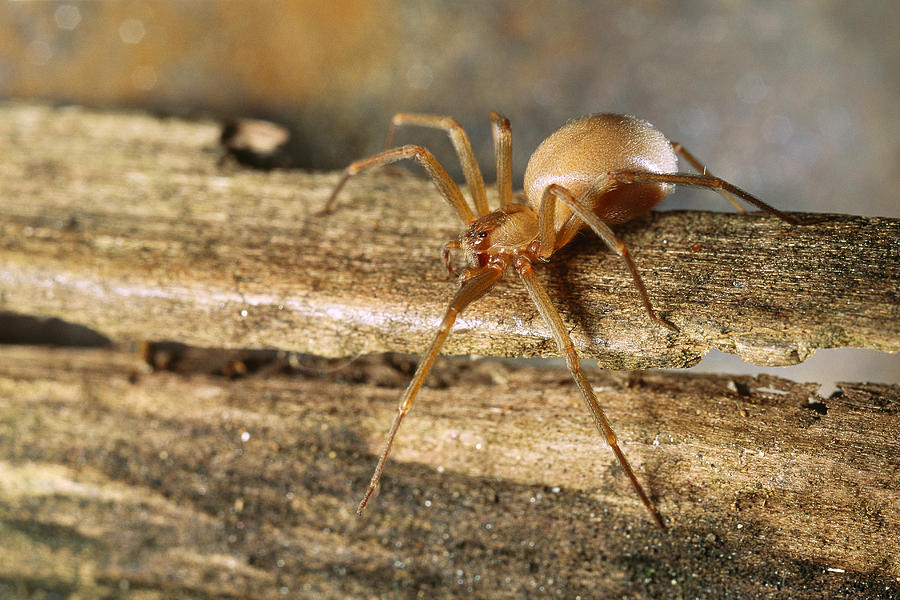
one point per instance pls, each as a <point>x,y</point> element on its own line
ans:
<point>796,102</point>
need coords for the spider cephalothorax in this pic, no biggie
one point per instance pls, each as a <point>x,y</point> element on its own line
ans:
<point>507,230</point>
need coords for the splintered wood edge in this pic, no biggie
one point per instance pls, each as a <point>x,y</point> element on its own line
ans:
<point>131,225</point>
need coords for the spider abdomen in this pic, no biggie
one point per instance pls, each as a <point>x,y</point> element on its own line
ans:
<point>582,151</point>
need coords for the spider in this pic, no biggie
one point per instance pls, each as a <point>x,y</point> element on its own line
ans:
<point>596,171</point>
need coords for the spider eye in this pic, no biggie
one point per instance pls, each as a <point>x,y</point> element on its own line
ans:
<point>482,235</point>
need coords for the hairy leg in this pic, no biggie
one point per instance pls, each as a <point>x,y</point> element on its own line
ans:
<point>709,182</point>
<point>701,168</point>
<point>606,234</point>
<point>445,185</point>
<point>473,288</point>
<point>567,349</point>
<point>461,144</point>
<point>502,135</point>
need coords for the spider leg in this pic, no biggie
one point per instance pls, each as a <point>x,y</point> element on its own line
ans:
<point>445,255</point>
<point>701,168</point>
<point>708,182</point>
<point>547,234</point>
<point>566,347</point>
<point>502,135</point>
<point>461,144</point>
<point>474,287</point>
<point>604,232</point>
<point>445,185</point>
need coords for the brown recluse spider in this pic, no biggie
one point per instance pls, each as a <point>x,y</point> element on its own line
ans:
<point>596,171</point>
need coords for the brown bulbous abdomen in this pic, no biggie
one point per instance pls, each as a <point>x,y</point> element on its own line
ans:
<point>583,150</point>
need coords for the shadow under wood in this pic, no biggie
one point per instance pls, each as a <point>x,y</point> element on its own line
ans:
<point>30,330</point>
<point>197,486</point>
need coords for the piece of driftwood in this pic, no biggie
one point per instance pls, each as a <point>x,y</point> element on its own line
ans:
<point>129,224</point>
<point>185,485</point>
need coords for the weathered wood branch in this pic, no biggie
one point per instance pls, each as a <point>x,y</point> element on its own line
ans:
<point>128,224</point>
<point>189,485</point>
<point>197,486</point>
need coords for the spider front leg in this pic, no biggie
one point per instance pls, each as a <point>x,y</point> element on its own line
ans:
<point>461,144</point>
<point>445,185</point>
<point>567,349</point>
<point>548,243</point>
<point>477,282</point>
<point>445,255</point>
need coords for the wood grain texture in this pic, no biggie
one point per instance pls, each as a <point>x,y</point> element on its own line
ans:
<point>117,480</point>
<point>129,224</point>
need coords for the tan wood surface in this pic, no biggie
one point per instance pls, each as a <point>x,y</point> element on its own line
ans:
<point>117,480</point>
<point>128,223</point>
<point>187,485</point>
